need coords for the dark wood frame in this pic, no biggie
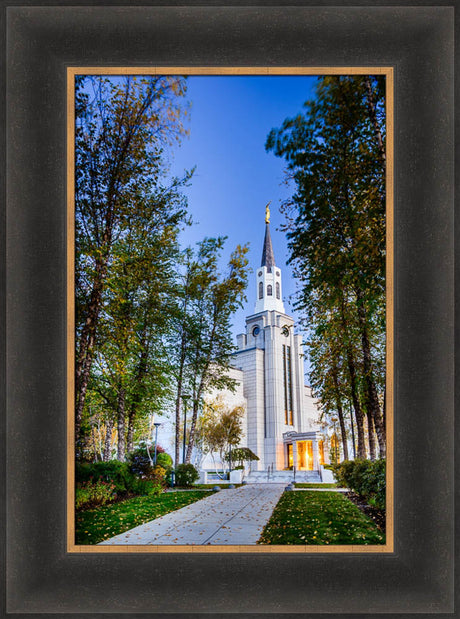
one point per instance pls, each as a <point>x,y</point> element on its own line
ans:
<point>42,42</point>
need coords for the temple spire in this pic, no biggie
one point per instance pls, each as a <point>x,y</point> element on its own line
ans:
<point>268,257</point>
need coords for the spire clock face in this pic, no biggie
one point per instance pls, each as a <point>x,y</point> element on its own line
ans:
<point>285,330</point>
<point>256,331</point>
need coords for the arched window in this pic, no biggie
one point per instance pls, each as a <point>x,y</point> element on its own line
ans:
<point>277,290</point>
<point>261,290</point>
<point>269,290</point>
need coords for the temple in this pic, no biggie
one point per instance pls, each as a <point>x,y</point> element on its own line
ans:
<point>281,423</point>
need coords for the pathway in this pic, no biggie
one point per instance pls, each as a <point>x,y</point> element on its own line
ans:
<point>229,517</point>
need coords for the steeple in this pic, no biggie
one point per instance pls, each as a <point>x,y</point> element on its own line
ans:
<point>268,275</point>
<point>268,257</point>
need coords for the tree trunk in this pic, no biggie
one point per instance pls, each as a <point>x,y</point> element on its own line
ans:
<point>338,400</point>
<point>191,436</point>
<point>372,400</point>
<point>180,379</point>
<point>139,379</point>
<point>343,431</point>
<point>130,433</point>
<point>93,435</point>
<point>86,346</point>
<point>108,440</point>
<point>373,118</point>
<point>352,430</point>
<point>370,435</point>
<point>121,454</point>
<point>200,390</point>
<point>359,416</point>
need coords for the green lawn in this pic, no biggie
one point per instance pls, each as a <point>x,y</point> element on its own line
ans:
<point>317,518</point>
<point>95,525</point>
<point>315,485</point>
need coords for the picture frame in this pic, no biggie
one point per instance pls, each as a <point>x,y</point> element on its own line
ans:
<point>41,576</point>
<point>387,74</point>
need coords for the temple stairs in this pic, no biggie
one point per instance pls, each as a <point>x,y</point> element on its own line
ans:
<point>281,477</point>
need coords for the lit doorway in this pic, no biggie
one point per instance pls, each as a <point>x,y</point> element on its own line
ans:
<point>305,455</point>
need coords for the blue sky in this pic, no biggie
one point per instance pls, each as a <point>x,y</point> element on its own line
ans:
<point>235,178</point>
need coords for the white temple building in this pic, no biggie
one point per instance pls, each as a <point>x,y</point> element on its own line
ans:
<point>280,424</point>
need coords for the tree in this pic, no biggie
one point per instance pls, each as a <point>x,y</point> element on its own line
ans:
<point>220,428</point>
<point>211,349</point>
<point>131,368</point>
<point>241,455</point>
<point>335,224</point>
<point>207,300</point>
<point>122,127</point>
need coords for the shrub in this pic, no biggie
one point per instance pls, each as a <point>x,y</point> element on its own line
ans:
<point>165,460</point>
<point>241,455</point>
<point>365,477</point>
<point>114,472</point>
<point>93,494</point>
<point>186,475</point>
<point>159,475</point>
<point>140,464</point>
<point>146,487</point>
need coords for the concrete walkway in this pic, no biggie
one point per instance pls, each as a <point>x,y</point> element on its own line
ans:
<point>229,517</point>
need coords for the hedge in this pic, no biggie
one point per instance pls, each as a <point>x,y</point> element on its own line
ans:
<point>365,477</point>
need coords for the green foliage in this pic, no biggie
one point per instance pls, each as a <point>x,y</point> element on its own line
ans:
<point>206,302</point>
<point>141,461</point>
<point>241,455</point>
<point>93,494</point>
<point>164,460</point>
<point>96,525</point>
<point>335,154</point>
<point>114,472</point>
<point>220,428</point>
<point>186,475</point>
<point>319,518</point>
<point>159,475</point>
<point>146,487</point>
<point>128,215</point>
<point>365,477</point>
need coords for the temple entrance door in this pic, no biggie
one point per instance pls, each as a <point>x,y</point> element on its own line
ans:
<point>305,455</point>
<point>301,455</point>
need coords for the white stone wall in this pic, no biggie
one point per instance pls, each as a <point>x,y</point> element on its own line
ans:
<point>251,362</point>
<point>269,278</point>
<point>260,358</point>
<point>258,368</point>
<point>231,400</point>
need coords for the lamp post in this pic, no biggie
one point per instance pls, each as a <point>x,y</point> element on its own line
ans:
<point>184,398</point>
<point>157,425</point>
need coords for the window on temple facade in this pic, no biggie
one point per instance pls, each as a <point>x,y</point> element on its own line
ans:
<point>261,290</point>
<point>277,290</point>
<point>287,383</point>
<point>269,290</point>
